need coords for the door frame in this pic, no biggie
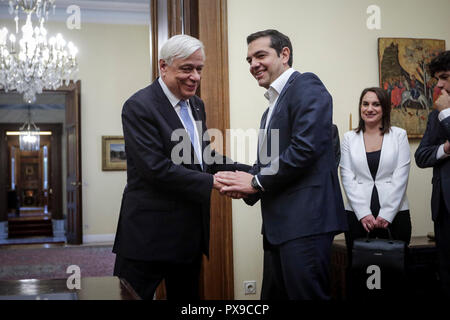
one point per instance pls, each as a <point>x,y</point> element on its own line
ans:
<point>207,21</point>
<point>74,231</point>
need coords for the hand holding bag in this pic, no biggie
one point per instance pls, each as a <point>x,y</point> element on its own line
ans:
<point>388,254</point>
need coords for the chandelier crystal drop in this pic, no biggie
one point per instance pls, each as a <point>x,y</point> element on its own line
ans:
<point>32,63</point>
<point>29,139</point>
<point>39,7</point>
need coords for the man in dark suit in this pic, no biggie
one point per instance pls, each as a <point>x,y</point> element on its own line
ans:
<point>295,175</point>
<point>434,151</point>
<point>163,227</point>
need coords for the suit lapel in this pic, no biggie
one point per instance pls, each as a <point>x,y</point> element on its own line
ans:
<point>199,126</point>
<point>386,146</point>
<point>198,120</point>
<point>277,107</point>
<point>168,112</point>
<point>166,109</point>
<point>360,152</point>
<point>261,135</point>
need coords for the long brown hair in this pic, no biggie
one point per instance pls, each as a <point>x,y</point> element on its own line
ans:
<point>385,102</point>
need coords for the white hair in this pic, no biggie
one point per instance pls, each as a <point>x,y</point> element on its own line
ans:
<point>180,47</point>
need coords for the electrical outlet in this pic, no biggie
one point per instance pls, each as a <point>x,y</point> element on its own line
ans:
<point>250,287</point>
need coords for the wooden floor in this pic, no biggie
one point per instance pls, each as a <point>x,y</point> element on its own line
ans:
<point>32,246</point>
<point>50,245</point>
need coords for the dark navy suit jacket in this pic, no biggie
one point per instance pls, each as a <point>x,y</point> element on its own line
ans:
<point>165,206</point>
<point>302,194</point>
<point>437,133</point>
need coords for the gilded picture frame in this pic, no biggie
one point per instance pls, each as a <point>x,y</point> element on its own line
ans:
<point>403,73</point>
<point>113,153</point>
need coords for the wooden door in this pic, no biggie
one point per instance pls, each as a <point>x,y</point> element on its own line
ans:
<point>4,183</point>
<point>73,185</point>
<point>207,21</point>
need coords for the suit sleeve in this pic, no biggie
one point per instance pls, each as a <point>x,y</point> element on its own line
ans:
<point>145,148</point>
<point>360,205</point>
<point>425,154</point>
<point>311,111</point>
<point>445,124</point>
<point>336,145</point>
<point>399,180</point>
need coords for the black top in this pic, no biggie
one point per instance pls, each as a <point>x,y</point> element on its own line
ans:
<point>373,160</point>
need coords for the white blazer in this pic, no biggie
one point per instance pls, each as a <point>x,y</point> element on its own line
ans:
<point>391,178</point>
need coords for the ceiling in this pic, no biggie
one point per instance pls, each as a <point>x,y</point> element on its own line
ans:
<point>134,12</point>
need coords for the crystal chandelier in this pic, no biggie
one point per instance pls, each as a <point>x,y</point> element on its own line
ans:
<point>33,63</point>
<point>29,139</point>
<point>39,7</point>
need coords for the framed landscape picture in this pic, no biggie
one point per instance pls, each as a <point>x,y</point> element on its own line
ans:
<point>404,75</point>
<point>113,153</point>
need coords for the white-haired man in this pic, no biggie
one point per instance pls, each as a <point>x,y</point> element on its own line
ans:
<point>164,219</point>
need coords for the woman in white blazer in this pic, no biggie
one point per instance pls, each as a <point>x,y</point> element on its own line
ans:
<point>375,161</point>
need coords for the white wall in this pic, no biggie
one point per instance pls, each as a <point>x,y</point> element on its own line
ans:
<point>329,38</point>
<point>114,63</point>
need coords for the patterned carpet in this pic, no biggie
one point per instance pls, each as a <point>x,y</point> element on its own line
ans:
<point>52,263</point>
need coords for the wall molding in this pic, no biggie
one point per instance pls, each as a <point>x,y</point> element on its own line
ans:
<point>93,238</point>
<point>103,12</point>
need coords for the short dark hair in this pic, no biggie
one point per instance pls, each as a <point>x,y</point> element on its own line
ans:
<point>440,63</point>
<point>278,41</point>
<point>385,102</point>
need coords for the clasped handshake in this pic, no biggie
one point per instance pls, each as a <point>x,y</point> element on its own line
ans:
<point>237,184</point>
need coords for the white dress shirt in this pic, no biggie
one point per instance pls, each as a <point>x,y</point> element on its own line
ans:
<point>274,91</point>
<point>174,102</point>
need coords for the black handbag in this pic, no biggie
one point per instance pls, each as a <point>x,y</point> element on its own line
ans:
<point>388,254</point>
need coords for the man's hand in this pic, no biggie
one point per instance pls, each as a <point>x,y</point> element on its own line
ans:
<point>217,185</point>
<point>443,102</point>
<point>447,147</point>
<point>232,194</point>
<point>369,223</point>
<point>239,181</point>
<point>381,223</point>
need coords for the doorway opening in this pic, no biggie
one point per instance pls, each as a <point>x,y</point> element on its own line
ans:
<point>34,201</point>
<point>40,191</point>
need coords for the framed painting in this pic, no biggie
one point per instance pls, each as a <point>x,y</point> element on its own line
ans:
<point>113,153</point>
<point>404,75</point>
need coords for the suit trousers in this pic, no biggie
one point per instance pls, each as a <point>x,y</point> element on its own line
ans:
<point>297,269</point>
<point>181,279</point>
<point>442,236</point>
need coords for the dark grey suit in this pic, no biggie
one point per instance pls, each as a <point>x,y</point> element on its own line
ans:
<point>302,207</point>
<point>164,219</point>
<point>437,133</point>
